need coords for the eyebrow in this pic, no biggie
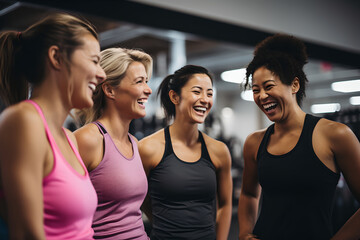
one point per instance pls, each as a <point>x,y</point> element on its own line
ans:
<point>209,89</point>
<point>136,78</point>
<point>270,80</point>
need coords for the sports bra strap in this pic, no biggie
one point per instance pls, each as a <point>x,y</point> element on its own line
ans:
<point>101,127</point>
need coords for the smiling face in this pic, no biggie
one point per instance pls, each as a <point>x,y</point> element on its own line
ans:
<point>196,99</point>
<point>133,91</point>
<point>273,97</point>
<point>86,72</point>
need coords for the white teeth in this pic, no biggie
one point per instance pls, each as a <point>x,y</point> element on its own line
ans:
<point>270,105</point>
<point>142,101</point>
<point>200,109</point>
<point>92,86</point>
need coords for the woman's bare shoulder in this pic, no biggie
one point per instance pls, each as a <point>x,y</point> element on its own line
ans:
<point>21,117</point>
<point>155,139</point>
<point>89,136</point>
<point>152,145</point>
<point>254,139</point>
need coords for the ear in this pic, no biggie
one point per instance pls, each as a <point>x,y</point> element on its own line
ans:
<point>55,57</point>
<point>174,97</point>
<point>108,90</point>
<point>295,86</point>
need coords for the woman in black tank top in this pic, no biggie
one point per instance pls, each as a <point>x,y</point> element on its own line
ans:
<point>297,161</point>
<point>190,185</point>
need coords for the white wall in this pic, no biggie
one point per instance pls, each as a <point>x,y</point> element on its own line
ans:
<point>329,22</point>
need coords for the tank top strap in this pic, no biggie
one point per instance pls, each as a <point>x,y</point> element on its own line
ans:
<point>133,143</point>
<point>47,130</point>
<point>310,121</point>
<point>168,145</point>
<point>101,127</point>
<point>308,128</point>
<point>204,152</point>
<point>265,140</point>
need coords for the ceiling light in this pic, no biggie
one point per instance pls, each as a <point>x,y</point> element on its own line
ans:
<point>355,100</point>
<point>234,76</point>
<point>325,108</point>
<point>346,86</point>
<point>247,95</point>
<point>227,112</point>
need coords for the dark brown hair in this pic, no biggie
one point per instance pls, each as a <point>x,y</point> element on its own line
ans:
<point>176,82</point>
<point>23,55</point>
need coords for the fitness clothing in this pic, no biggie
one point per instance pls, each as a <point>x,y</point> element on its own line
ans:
<point>183,196</point>
<point>69,197</point>
<point>297,189</point>
<point>121,186</point>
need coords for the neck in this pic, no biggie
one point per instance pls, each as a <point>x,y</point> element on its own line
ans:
<point>185,131</point>
<point>294,120</point>
<point>115,124</point>
<point>53,98</point>
<point>54,108</point>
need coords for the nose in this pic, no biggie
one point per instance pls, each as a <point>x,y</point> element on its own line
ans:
<point>147,89</point>
<point>205,98</point>
<point>263,94</point>
<point>100,75</point>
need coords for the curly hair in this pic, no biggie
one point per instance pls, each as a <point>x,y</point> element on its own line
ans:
<point>283,55</point>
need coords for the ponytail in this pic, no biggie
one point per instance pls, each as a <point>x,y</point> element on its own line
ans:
<point>23,55</point>
<point>163,92</point>
<point>13,87</point>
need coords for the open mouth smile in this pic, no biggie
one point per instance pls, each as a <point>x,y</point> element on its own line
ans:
<point>142,101</point>
<point>92,86</point>
<point>200,109</point>
<point>269,106</point>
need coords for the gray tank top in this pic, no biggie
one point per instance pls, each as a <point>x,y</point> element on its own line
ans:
<point>183,196</point>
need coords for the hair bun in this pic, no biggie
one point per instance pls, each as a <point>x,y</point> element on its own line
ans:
<point>283,44</point>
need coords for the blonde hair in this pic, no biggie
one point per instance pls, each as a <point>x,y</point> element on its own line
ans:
<point>115,62</point>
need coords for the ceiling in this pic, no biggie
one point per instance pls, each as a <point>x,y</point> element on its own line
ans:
<point>168,46</point>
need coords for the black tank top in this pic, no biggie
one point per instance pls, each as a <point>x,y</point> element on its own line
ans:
<point>297,190</point>
<point>183,196</point>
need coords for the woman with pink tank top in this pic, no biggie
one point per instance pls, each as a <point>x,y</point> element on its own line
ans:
<point>109,152</point>
<point>46,192</point>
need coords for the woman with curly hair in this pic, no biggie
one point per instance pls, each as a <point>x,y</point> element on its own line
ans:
<point>296,162</point>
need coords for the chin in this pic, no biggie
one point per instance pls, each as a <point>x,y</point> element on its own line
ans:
<point>199,121</point>
<point>139,115</point>
<point>85,104</point>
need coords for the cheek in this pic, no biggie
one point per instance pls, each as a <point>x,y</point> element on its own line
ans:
<point>211,104</point>
<point>257,102</point>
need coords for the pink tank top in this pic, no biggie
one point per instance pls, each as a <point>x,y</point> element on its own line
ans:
<point>121,186</point>
<point>69,197</point>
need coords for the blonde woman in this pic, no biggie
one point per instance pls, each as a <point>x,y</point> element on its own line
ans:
<point>109,152</point>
